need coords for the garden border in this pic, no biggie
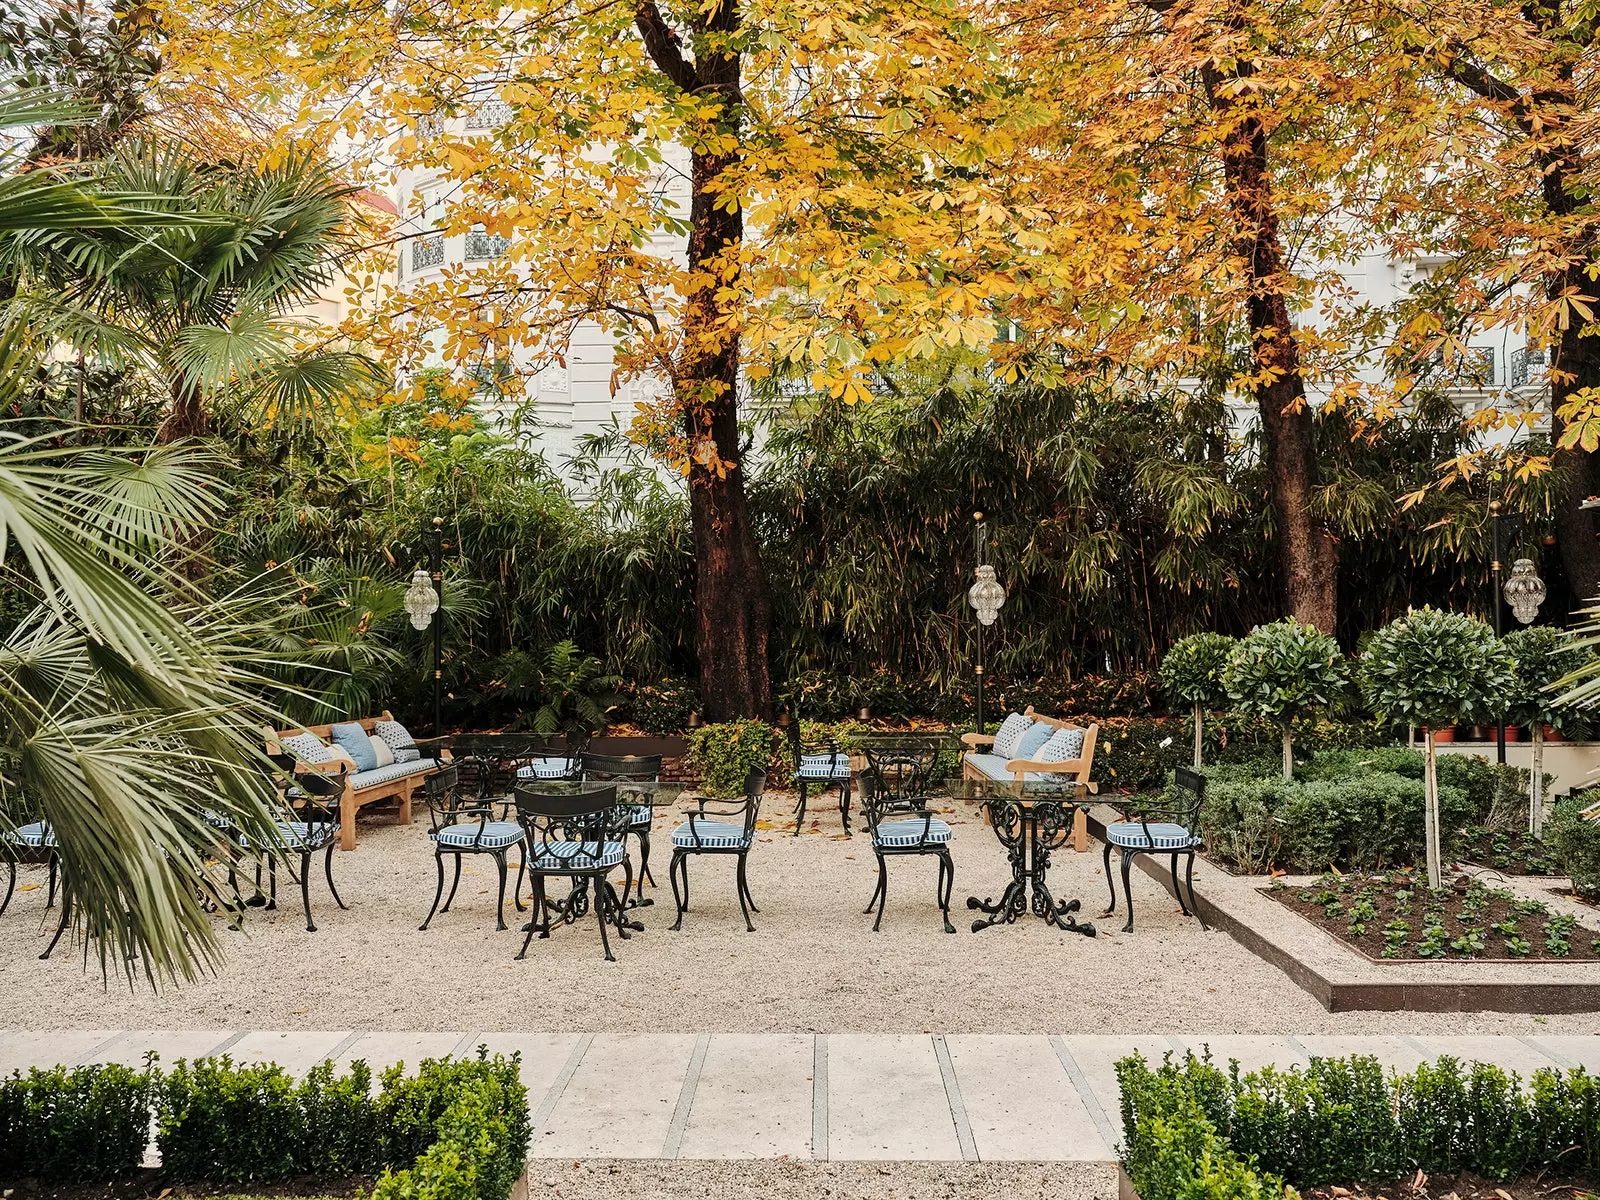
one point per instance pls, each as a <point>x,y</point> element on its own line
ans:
<point>1537,996</point>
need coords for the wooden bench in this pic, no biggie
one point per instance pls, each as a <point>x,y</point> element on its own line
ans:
<point>396,782</point>
<point>1013,774</point>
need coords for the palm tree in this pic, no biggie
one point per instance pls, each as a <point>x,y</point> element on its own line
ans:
<point>127,698</point>
<point>201,301</point>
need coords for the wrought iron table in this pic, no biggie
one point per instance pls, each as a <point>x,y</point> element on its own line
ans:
<point>1031,829</point>
<point>630,795</point>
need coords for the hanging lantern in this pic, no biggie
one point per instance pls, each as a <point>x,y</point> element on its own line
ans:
<point>986,595</point>
<point>1524,591</point>
<point>421,599</point>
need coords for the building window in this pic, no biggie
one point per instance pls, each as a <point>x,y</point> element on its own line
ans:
<point>1473,368</point>
<point>483,246</point>
<point>491,114</point>
<point>1520,366</point>
<point>427,251</point>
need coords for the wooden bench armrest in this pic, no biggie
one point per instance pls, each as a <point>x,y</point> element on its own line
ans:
<point>331,767</point>
<point>975,740</point>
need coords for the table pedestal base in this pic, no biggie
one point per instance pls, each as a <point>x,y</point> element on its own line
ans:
<point>1029,831</point>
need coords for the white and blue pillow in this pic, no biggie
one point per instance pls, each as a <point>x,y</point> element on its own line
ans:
<point>399,739</point>
<point>353,740</point>
<point>1010,733</point>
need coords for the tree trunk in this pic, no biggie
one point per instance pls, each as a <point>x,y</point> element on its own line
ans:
<point>1576,365</point>
<point>1288,756</point>
<point>1199,744</point>
<point>186,416</point>
<point>733,614</point>
<point>1536,782</point>
<point>1308,556</point>
<point>1430,811</point>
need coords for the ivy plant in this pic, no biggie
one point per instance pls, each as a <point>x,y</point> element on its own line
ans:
<point>1283,672</point>
<point>1433,668</point>
<point>726,753</point>
<point>1192,672</point>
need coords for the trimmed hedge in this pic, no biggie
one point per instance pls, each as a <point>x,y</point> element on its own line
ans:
<point>1192,1131</point>
<point>457,1130</point>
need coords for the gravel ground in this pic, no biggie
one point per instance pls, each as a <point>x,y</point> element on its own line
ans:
<point>814,964</point>
<point>789,1180</point>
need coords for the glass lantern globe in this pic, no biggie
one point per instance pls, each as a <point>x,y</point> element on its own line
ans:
<point>421,600</point>
<point>986,595</point>
<point>1524,591</point>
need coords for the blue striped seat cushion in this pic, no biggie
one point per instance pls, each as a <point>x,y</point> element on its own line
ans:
<point>1163,836</point>
<point>301,835</point>
<point>575,856</point>
<point>824,766</point>
<point>714,835</point>
<point>546,768</point>
<point>910,832</point>
<point>479,835</point>
<point>640,816</point>
<point>217,820</point>
<point>35,833</point>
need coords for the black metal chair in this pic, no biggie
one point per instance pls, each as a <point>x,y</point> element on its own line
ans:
<point>310,822</point>
<point>465,824</point>
<point>824,769</point>
<point>901,822</point>
<point>575,833</point>
<point>550,756</point>
<point>34,837</point>
<point>727,828</point>
<point>1163,828</point>
<point>636,777</point>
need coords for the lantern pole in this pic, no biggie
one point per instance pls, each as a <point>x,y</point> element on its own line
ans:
<point>435,542</point>
<point>980,532</point>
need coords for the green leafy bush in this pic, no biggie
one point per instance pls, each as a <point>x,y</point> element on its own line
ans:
<point>1285,672</point>
<point>1191,1131</point>
<point>78,1125</point>
<point>1191,673</point>
<point>229,1123</point>
<point>461,1125</point>
<point>1575,842</point>
<point>726,753</point>
<point>661,708</point>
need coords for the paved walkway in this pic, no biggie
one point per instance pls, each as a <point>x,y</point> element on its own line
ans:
<point>837,1097</point>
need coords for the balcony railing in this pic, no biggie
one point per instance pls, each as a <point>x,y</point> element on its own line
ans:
<point>483,246</point>
<point>1472,369</point>
<point>1520,366</point>
<point>427,251</point>
<point>491,114</point>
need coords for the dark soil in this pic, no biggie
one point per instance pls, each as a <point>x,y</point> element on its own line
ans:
<point>1512,851</point>
<point>1463,1186</point>
<point>1393,917</point>
<point>149,1184</point>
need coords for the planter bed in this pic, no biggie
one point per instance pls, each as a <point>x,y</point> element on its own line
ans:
<point>1513,851</point>
<point>149,1184</point>
<point>1393,918</point>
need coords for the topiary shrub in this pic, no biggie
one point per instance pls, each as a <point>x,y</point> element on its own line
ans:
<point>1542,656</point>
<point>78,1125</point>
<point>1192,673</point>
<point>1285,672</point>
<point>1433,668</point>
<point>1575,841</point>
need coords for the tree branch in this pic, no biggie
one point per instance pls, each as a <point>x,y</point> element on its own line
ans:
<point>661,43</point>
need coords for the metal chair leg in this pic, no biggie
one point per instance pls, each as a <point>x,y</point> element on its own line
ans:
<point>878,887</point>
<point>680,863</point>
<point>883,890</point>
<point>272,882</point>
<point>10,887</point>
<point>522,867</point>
<point>844,806</point>
<point>947,879</point>
<point>1127,894</point>
<point>50,893</point>
<point>327,871</point>
<point>500,904</point>
<point>1111,883</point>
<point>454,884</point>
<point>438,892</point>
<point>743,907</point>
<point>66,919</point>
<point>600,894</point>
<point>745,882</point>
<point>1193,903</point>
<point>1176,890</point>
<point>305,889</point>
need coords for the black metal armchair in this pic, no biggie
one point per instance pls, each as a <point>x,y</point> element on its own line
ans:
<point>821,770</point>
<point>637,777</point>
<point>575,832</point>
<point>465,824</point>
<point>1171,828</point>
<point>718,827</point>
<point>310,822</point>
<point>901,823</point>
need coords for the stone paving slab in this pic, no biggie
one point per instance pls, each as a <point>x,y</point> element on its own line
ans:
<point>798,1097</point>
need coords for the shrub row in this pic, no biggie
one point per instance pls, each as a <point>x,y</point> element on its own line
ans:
<point>221,1122</point>
<point>1575,842</point>
<point>1191,1130</point>
<point>1358,810</point>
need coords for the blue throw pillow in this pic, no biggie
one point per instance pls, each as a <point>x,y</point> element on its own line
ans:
<point>352,739</point>
<point>1032,738</point>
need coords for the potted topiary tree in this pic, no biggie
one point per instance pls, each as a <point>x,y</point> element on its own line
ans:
<point>1192,672</point>
<point>1433,668</point>
<point>1543,655</point>
<point>1282,671</point>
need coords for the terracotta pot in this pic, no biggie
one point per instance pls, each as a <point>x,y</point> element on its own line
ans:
<point>1444,735</point>
<point>1551,735</point>
<point>1513,733</point>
